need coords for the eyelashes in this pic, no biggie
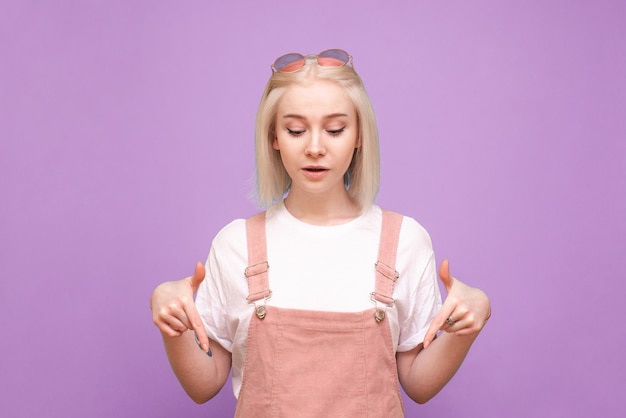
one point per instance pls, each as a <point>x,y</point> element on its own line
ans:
<point>336,132</point>
<point>295,132</point>
<point>331,132</point>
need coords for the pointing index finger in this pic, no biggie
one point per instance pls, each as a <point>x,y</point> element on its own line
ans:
<point>434,327</point>
<point>191,311</point>
<point>438,323</point>
<point>198,329</point>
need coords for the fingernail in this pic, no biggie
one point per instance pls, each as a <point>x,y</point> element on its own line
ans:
<point>207,350</point>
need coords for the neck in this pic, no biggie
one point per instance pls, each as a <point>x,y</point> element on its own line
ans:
<point>320,210</point>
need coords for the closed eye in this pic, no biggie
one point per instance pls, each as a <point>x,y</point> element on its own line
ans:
<point>295,132</point>
<point>336,132</point>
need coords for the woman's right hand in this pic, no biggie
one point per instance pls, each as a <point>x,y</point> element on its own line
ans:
<point>174,311</point>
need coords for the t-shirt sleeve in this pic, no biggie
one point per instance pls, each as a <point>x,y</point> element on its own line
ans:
<point>222,293</point>
<point>418,285</point>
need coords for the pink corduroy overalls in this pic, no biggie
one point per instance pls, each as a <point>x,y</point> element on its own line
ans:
<point>303,363</point>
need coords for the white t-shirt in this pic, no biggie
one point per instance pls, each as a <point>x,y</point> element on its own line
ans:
<point>323,268</point>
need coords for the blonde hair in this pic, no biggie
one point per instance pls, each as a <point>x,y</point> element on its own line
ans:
<point>363,176</point>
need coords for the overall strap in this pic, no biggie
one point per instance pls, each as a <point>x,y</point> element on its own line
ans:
<point>256,272</point>
<point>386,273</point>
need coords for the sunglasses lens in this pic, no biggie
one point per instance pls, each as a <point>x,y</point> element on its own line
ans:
<point>293,62</point>
<point>289,63</point>
<point>333,58</point>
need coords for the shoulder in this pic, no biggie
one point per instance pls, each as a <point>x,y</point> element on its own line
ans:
<point>414,240</point>
<point>231,235</point>
<point>414,233</point>
<point>411,231</point>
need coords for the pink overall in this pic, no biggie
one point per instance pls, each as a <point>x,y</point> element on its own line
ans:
<point>303,363</point>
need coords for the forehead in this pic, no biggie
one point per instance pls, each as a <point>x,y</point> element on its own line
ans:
<point>317,97</point>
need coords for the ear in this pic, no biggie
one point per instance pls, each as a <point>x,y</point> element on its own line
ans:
<point>359,142</point>
<point>275,144</point>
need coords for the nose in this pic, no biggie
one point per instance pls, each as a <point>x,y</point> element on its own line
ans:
<point>315,145</point>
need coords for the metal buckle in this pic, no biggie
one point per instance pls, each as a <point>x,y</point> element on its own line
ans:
<point>260,310</point>
<point>389,304</point>
<point>379,313</point>
<point>387,271</point>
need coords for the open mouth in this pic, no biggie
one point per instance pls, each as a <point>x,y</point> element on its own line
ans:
<point>315,172</point>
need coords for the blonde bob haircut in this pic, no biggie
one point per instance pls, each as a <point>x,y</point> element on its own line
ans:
<point>362,179</point>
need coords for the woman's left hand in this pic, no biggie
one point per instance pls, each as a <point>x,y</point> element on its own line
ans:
<point>465,310</point>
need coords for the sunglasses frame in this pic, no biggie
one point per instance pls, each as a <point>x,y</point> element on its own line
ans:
<point>317,57</point>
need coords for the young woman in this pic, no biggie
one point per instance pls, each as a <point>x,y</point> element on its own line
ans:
<point>324,303</point>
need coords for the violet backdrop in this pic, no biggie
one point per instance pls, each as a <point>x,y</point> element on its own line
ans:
<point>126,134</point>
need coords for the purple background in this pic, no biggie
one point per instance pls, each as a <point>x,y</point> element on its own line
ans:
<point>126,143</point>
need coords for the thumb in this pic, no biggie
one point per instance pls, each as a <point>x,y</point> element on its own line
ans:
<point>444,275</point>
<point>198,276</point>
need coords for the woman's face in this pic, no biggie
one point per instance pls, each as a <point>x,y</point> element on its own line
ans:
<point>316,134</point>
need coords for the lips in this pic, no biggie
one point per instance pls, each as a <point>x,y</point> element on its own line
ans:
<point>315,172</point>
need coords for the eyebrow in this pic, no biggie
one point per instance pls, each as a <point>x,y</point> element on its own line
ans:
<point>331,116</point>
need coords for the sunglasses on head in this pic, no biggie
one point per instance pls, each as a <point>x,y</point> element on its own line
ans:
<point>292,62</point>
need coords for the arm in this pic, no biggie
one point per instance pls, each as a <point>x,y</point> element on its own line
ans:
<point>201,371</point>
<point>425,370</point>
<point>201,376</point>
